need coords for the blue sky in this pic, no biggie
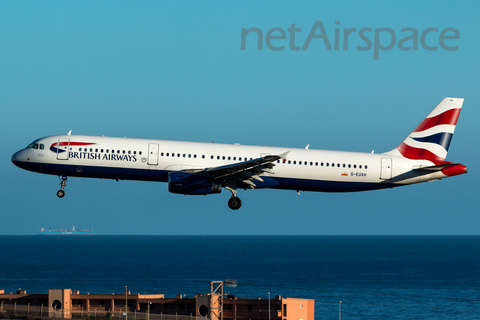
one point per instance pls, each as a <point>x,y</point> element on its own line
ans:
<point>175,70</point>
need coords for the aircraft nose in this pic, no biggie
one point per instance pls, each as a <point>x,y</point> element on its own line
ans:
<point>18,157</point>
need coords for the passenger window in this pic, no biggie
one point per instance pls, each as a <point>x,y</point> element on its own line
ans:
<point>354,166</point>
<point>365,166</point>
<point>218,157</point>
<point>321,164</point>
<point>328,164</point>
<point>134,152</point>
<point>338,165</point>
<point>360,166</point>
<point>161,154</point>
<point>140,152</point>
<point>184,155</point>
<point>123,151</point>
<point>349,165</point>
<point>289,161</point>
<point>316,163</point>
<point>178,155</point>
<point>129,152</point>
<point>96,150</point>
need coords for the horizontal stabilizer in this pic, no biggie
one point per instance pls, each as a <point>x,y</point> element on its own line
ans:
<point>439,167</point>
<point>448,169</point>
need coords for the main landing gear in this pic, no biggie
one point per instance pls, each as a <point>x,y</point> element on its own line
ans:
<point>234,202</point>
<point>63,184</point>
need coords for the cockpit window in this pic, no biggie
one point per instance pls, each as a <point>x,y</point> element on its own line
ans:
<point>34,145</point>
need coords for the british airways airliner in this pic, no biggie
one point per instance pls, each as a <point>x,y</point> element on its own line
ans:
<point>206,168</point>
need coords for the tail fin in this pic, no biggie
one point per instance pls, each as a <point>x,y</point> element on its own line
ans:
<point>431,138</point>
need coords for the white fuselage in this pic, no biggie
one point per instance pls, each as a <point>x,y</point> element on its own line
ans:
<point>152,160</point>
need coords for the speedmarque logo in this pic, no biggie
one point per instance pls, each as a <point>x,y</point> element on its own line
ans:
<point>384,39</point>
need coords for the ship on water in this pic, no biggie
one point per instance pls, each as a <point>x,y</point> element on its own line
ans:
<point>72,231</point>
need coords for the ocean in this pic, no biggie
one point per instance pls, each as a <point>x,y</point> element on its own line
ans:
<point>375,277</point>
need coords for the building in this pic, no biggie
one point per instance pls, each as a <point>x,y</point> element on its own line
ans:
<point>67,303</point>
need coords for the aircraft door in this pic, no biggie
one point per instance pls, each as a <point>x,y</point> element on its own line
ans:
<point>62,148</point>
<point>386,169</point>
<point>153,154</point>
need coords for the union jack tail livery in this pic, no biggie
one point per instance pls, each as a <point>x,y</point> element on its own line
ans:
<point>431,138</point>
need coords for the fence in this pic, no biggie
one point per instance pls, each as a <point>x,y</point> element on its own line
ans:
<point>36,312</point>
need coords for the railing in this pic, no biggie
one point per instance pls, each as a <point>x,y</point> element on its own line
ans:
<point>27,311</point>
<point>23,310</point>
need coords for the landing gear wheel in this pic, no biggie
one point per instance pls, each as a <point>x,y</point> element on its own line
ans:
<point>63,184</point>
<point>234,203</point>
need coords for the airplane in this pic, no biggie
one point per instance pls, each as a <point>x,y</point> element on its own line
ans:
<point>196,168</point>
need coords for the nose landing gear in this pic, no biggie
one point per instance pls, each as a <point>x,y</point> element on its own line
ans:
<point>63,184</point>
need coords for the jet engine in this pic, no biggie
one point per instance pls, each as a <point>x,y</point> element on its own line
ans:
<point>190,183</point>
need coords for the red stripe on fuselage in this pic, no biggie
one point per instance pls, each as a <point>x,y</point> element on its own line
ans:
<point>71,143</point>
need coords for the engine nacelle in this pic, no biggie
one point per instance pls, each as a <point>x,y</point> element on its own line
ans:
<point>190,183</point>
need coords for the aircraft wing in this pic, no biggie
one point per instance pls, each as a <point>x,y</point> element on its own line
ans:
<point>243,171</point>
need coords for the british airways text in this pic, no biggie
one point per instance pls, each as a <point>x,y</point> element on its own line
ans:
<point>99,156</point>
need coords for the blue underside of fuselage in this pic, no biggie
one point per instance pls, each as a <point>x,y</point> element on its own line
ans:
<point>162,176</point>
